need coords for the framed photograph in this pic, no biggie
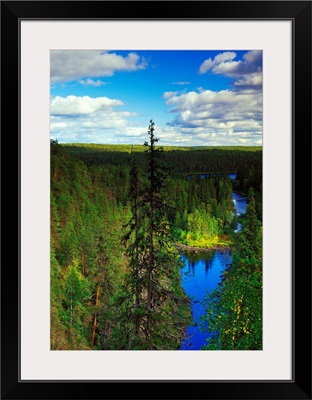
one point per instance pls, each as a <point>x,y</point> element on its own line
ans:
<point>163,162</point>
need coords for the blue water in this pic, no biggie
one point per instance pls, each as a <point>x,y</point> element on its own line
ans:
<point>231,175</point>
<point>239,203</point>
<point>201,274</point>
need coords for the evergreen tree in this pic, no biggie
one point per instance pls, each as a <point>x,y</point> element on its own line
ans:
<point>76,297</point>
<point>161,307</point>
<point>252,228</point>
<point>132,300</point>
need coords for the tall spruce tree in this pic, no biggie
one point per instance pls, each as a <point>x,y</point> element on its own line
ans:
<point>155,307</point>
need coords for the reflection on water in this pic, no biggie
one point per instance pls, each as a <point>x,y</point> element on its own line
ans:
<point>201,273</point>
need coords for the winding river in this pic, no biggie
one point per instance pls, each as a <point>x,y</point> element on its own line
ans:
<point>201,274</point>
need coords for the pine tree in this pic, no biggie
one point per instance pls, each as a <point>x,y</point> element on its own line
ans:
<point>135,251</point>
<point>154,292</point>
<point>251,237</point>
<point>77,294</point>
<point>155,208</point>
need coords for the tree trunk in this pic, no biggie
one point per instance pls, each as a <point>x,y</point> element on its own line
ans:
<point>95,315</point>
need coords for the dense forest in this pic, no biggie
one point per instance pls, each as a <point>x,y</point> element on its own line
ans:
<point>118,214</point>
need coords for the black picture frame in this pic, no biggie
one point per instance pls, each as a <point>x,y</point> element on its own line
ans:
<point>297,388</point>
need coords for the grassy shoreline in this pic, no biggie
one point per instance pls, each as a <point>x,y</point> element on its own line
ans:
<point>220,243</point>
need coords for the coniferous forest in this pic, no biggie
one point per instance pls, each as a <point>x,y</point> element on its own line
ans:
<point>122,215</point>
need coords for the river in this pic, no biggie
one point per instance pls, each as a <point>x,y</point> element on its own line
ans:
<point>201,274</point>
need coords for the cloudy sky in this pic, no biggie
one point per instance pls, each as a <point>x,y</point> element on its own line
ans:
<point>196,98</point>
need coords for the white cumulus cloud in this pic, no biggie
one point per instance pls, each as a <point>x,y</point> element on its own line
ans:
<point>219,59</point>
<point>73,105</point>
<point>247,73</point>
<point>68,65</point>
<point>93,120</point>
<point>209,114</point>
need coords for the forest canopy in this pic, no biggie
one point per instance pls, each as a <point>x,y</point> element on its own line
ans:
<point>117,212</point>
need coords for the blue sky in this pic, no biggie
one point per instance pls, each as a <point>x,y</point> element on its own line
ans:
<point>196,98</point>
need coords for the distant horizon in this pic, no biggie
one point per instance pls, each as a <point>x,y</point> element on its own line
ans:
<point>195,97</point>
<point>157,145</point>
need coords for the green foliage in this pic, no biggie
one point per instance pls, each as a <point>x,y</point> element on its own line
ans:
<point>86,226</point>
<point>155,311</point>
<point>186,160</point>
<point>234,309</point>
<point>108,293</point>
<point>210,211</point>
<point>75,306</point>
